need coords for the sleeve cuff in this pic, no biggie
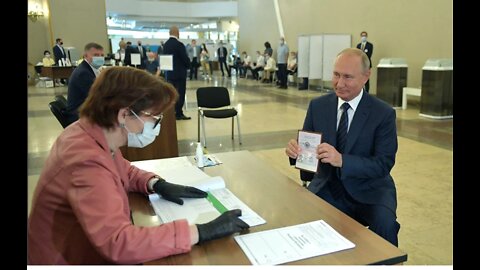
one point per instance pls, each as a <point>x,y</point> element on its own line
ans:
<point>152,182</point>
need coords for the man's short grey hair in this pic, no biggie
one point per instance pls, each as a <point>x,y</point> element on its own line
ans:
<point>93,45</point>
<point>358,52</point>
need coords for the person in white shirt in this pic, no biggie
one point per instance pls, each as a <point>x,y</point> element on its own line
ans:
<point>292,63</point>
<point>269,68</point>
<point>257,66</point>
<point>246,63</point>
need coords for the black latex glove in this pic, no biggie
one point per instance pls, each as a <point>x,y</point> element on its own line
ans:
<point>173,192</point>
<point>226,224</point>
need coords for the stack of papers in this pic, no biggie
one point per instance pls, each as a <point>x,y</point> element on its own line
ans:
<point>195,210</point>
<point>292,243</point>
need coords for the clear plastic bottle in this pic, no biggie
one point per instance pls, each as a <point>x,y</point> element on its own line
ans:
<point>199,155</point>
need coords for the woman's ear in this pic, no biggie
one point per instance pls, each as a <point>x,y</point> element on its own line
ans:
<point>121,116</point>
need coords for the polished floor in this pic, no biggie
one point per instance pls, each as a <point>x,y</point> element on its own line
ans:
<point>270,117</point>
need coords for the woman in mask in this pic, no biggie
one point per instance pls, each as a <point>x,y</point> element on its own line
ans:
<point>80,212</point>
<point>47,59</point>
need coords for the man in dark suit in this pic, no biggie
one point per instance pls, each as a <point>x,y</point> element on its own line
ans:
<point>160,48</point>
<point>222,58</point>
<point>60,55</point>
<point>58,51</point>
<point>82,78</point>
<point>127,61</point>
<point>142,50</point>
<point>356,158</point>
<point>367,48</point>
<point>193,52</point>
<point>177,77</point>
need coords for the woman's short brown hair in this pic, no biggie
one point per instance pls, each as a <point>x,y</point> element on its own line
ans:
<point>126,87</point>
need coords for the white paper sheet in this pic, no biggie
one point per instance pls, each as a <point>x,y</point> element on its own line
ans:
<point>230,201</point>
<point>163,164</point>
<point>166,62</point>
<point>292,243</point>
<point>135,59</point>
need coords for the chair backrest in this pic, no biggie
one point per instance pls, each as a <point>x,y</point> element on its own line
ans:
<point>62,100</point>
<point>213,97</point>
<point>56,108</point>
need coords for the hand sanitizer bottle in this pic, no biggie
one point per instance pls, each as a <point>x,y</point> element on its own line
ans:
<point>199,155</point>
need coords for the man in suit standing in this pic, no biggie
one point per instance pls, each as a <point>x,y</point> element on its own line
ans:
<point>177,77</point>
<point>60,56</point>
<point>357,153</point>
<point>143,54</point>
<point>82,78</point>
<point>222,58</point>
<point>193,52</point>
<point>59,52</point>
<point>160,48</point>
<point>367,48</point>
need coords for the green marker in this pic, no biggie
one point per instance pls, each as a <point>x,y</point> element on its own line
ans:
<point>216,203</point>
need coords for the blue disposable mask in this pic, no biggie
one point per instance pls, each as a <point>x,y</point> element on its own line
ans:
<point>364,39</point>
<point>97,61</point>
<point>148,135</point>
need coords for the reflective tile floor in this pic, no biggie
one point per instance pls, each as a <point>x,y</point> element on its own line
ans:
<point>269,117</point>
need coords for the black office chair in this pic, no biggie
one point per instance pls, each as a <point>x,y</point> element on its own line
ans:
<point>56,107</point>
<point>218,99</point>
<point>62,100</point>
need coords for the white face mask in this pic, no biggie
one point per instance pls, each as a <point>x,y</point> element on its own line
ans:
<point>364,39</point>
<point>148,135</point>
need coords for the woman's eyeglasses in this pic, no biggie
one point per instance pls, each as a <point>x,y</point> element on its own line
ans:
<point>158,118</point>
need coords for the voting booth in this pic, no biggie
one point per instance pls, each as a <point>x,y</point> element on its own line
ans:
<point>391,78</point>
<point>436,101</point>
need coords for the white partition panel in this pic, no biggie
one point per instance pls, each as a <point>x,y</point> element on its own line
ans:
<point>316,57</point>
<point>333,44</point>
<point>317,53</point>
<point>303,56</point>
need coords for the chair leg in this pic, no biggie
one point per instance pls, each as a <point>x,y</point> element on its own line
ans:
<point>198,126</point>
<point>232,128</point>
<point>204,134</point>
<point>238,126</point>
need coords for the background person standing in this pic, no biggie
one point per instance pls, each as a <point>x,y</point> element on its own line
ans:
<point>282,57</point>
<point>222,58</point>
<point>178,76</point>
<point>367,48</point>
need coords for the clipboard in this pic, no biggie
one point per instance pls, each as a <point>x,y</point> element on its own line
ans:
<point>307,158</point>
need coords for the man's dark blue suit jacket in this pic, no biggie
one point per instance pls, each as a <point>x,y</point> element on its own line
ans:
<point>181,62</point>
<point>78,87</point>
<point>369,153</point>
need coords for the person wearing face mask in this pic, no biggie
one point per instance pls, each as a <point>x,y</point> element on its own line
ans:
<point>59,52</point>
<point>282,57</point>
<point>151,64</point>
<point>367,48</point>
<point>82,78</point>
<point>268,69</point>
<point>60,56</point>
<point>80,211</point>
<point>47,59</point>
<point>257,66</point>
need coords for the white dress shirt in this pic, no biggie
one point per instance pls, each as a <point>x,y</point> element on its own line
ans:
<point>351,112</point>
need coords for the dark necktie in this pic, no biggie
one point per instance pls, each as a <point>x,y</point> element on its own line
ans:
<point>336,186</point>
<point>343,128</point>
